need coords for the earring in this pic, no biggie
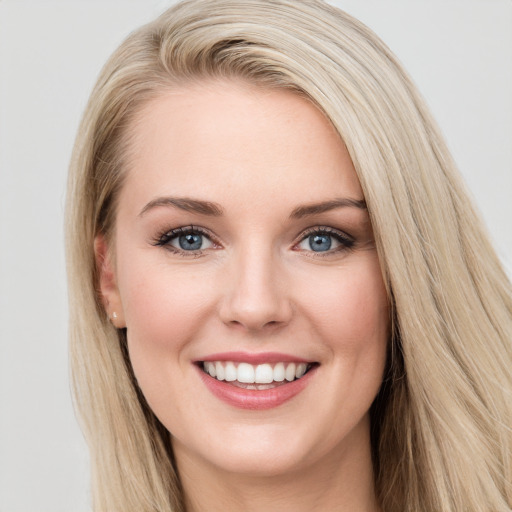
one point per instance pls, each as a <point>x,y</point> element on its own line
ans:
<point>114,315</point>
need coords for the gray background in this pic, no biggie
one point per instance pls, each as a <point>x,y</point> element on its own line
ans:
<point>458,51</point>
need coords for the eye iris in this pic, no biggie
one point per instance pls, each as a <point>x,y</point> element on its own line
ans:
<point>191,242</point>
<point>319,243</point>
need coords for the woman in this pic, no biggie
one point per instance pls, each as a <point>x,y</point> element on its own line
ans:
<point>281,297</point>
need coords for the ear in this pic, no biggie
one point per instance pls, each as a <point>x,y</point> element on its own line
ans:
<point>110,295</point>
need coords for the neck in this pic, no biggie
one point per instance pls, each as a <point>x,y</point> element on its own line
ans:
<point>342,480</point>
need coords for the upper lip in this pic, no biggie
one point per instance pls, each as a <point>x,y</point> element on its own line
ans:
<point>253,357</point>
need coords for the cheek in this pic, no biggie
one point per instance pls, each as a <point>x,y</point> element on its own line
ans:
<point>349,315</point>
<point>350,307</point>
<point>162,304</point>
<point>164,310</point>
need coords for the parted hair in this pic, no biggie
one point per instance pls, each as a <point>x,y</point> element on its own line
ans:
<point>441,424</point>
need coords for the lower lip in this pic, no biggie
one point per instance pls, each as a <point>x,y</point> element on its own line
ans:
<point>252,398</point>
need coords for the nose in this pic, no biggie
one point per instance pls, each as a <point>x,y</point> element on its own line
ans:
<point>256,296</point>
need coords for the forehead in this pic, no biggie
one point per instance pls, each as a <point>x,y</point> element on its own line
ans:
<point>229,137</point>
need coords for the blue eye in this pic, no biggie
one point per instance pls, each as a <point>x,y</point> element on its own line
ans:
<point>325,240</point>
<point>188,239</point>
<point>190,242</point>
<point>320,243</point>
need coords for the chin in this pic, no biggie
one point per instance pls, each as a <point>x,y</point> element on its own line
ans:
<point>260,461</point>
<point>259,450</point>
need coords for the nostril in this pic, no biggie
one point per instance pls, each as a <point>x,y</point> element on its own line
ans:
<point>255,298</point>
<point>255,323</point>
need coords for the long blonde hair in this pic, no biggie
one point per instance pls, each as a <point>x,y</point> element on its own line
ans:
<point>441,425</point>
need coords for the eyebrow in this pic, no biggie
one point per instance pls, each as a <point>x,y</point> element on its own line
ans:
<point>187,204</point>
<point>216,210</point>
<point>316,208</point>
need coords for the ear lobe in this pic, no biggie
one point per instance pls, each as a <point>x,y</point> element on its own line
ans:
<point>108,282</point>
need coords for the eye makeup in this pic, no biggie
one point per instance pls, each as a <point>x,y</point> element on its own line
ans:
<point>194,241</point>
<point>186,241</point>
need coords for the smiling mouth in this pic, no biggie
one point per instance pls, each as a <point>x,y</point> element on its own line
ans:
<point>256,377</point>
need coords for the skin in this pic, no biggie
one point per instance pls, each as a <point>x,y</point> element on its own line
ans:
<point>256,286</point>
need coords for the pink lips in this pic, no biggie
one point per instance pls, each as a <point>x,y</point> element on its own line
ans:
<point>251,358</point>
<point>250,398</point>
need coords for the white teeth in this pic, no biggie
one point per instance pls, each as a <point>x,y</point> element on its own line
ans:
<point>263,374</point>
<point>279,372</point>
<point>301,370</point>
<point>290,372</point>
<point>219,370</point>
<point>231,373</point>
<point>246,373</point>
<point>210,368</point>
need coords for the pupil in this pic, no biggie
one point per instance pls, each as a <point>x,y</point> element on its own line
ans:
<point>320,243</point>
<point>190,242</point>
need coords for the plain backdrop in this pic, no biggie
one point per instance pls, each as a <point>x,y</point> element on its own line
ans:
<point>458,51</point>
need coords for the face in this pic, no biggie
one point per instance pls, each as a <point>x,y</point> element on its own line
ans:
<point>247,278</point>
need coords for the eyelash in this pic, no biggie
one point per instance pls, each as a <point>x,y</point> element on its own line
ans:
<point>346,242</point>
<point>163,240</point>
